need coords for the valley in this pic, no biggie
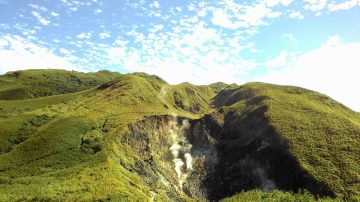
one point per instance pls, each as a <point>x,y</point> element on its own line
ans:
<point>134,137</point>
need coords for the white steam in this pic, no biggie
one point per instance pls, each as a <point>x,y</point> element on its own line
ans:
<point>180,149</point>
<point>178,164</point>
<point>188,159</point>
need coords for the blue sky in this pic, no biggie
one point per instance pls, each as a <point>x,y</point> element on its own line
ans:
<point>309,43</point>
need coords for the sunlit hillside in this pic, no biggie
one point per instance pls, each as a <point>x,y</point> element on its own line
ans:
<point>71,136</point>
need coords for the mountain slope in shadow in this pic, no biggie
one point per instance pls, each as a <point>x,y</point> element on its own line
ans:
<point>135,137</point>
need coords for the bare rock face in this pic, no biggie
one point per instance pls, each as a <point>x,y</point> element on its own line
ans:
<point>228,154</point>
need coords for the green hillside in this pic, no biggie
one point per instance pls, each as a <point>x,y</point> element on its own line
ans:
<point>307,140</point>
<point>108,136</point>
<point>219,86</point>
<point>20,85</point>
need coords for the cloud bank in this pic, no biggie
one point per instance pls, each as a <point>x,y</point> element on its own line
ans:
<point>332,69</point>
<point>17,53</point>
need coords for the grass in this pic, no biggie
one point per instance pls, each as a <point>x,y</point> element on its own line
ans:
<point>277,196</point>
<point>20,85</point>
<point>219,86</point>
<point>62,147</point>
<point>323,134</point>
<point>62,144</point>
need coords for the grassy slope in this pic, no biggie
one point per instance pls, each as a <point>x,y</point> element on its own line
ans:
<point>66,147</point>
<point>219,86</point>
<point>323,134</point>
<point>259,196</point>
<point>37,83</point>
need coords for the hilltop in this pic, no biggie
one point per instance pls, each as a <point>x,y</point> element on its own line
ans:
<point>26,84</point>
<point>109,136</point>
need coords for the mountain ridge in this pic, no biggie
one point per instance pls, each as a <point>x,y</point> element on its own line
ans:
<point>109,135</point>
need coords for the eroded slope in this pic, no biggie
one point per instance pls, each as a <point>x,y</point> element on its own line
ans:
<point>138,138</point>
<point>69,146</point>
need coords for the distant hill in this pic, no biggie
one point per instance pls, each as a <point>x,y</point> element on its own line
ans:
<point>19,85</point>
<point>71,136</point>
<point>219,86</point>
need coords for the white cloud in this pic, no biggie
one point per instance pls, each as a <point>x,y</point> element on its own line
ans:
<point>296,14</point>
<point>274,14</point>
<point>332,41</point>
<point>138,37</point>
<point>158,27</point>
<point>235,16</point>
<point>255,50</point>
<point>104,35</point>
<point>344,5</point>
<point>221,18</point>
<point>201,13</point>
<point>84,35</point>
<point>75,5</point>
<point>332,69</point>
<point>42,20</point>
<point>284,58</point>
<point>55,14</point>
<point>315,5</point>
<point>155,4</point>
<point>39,8</point>
<point>178,9</point>
<point>176,71</point>
<point>64,51</point>
<point>116,55</point>
<point>97,11</point>
<point>196,56</point>
<point>272,3</point>
<point>291,38</point>
<point>254,15</point>
<point>120,42</point>
<point>157,14</point>
<point>16,53</point>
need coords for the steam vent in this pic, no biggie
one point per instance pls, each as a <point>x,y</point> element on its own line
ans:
<point>72,136</point>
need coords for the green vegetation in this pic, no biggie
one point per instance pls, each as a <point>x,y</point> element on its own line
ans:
<point>323,134</point>
<point>219,86</point>
<point>20,85</point>
<point>278,196</point>
<point>64,135</point>
<point>64,146</point>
